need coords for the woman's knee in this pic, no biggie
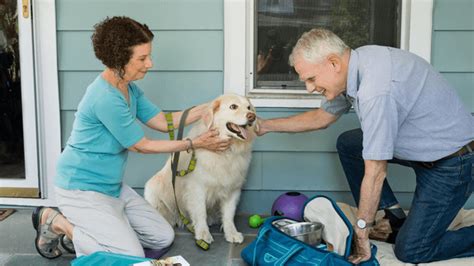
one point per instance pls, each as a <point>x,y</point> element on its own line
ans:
<point>162,238</point>
<point>131,249</point>
<point>168,237</point>
<point>137,252</point>
<point>350,142</point>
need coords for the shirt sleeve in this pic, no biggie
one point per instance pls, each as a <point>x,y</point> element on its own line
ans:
<point>340,105</point>
<point>146,110</point>
<point>379,122</point>
<point>115,115</point>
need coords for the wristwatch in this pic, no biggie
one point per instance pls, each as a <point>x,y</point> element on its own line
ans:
<point>362,224</point>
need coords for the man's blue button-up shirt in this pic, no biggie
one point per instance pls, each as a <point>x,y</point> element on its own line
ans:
<point>407,110</point>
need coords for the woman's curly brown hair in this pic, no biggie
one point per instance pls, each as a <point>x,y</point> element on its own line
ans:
<point>114,39</point>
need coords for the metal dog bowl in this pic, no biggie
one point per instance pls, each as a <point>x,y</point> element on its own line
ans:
<point>308,232</point>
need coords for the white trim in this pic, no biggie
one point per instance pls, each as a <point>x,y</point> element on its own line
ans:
<point>405,24</point>
<point>234,46</point>
<point>49,131</point>
<point>416,31</point>
<point>290,103</point>
<point>421,28</point>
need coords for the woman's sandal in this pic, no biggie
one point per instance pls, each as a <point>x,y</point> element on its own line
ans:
<point>46,241</point>
<point>67,244</point>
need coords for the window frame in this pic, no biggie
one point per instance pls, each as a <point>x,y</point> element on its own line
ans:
<point>416,34</point>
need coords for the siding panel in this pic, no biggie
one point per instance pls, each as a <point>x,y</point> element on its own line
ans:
<point>172,51</point>
<point>453,15</point>
<point>453,51</point>
<point>322,140</point>
<point>464,85</point>
<point>322,171</point>
<point>141,167</point>
<point>157,14</point>
<point>168,90</point>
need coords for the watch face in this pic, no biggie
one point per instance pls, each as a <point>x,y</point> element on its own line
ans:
<point>361,224</point>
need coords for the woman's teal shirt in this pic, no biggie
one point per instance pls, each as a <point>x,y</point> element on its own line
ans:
<point>106,125</point>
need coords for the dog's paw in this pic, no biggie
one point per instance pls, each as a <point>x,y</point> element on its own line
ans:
<point>204,235</point>
<point>235,237</point>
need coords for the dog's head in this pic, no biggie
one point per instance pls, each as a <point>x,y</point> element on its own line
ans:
<point>233,115</point>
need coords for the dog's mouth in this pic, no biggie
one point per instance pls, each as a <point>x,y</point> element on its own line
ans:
<point>239,130</point>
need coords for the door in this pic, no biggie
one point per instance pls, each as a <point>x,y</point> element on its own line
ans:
<point>19,173</point>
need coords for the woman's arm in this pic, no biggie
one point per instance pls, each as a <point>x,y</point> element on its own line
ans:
<point>209,140</point>
<point>158,122</point>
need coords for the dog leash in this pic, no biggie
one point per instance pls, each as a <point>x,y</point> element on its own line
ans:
<point>174,170</point>
<point>175,156</point>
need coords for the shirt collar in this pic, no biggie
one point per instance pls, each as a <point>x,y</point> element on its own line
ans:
<point>352,76</point>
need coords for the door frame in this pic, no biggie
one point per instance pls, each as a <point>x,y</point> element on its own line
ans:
<point>29,185</point>
<point>48,126</point>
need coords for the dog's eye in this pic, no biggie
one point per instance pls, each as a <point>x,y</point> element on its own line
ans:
<point>248,107</point>
<point>233,106</point>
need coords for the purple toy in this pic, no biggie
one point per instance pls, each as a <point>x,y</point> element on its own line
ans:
<point>290,205</point>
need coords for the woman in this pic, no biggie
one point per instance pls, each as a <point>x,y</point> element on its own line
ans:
<point>99,212</point>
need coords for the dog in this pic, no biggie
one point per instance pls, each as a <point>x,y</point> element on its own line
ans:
<point>211,192</point>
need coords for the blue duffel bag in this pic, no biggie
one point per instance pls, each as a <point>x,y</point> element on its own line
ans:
<point>273,247</point>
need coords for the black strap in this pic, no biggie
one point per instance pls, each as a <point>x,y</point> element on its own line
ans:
<point>174,169</point>
<point>175,157</point>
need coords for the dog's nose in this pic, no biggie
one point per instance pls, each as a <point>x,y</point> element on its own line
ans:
<point>251,117</point>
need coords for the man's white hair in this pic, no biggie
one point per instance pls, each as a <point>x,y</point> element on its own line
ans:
<point>316,44</point>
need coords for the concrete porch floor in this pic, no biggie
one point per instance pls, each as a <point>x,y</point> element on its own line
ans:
<point>17,244</point>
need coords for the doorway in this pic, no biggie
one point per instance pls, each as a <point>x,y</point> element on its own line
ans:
<point>18,132</point>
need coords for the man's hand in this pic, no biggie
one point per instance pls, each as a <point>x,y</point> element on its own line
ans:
<point>260,128</point>
<point>360,246</point>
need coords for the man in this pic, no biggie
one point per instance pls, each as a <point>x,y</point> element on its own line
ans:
<point>409,115</point>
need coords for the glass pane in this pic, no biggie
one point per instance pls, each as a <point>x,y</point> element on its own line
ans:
<point>279,24</point>
<point>12,163</point>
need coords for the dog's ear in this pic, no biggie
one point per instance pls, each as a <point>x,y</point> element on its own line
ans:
<point>208,117</point>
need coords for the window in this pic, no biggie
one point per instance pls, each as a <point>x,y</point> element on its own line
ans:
<point>259,67</point>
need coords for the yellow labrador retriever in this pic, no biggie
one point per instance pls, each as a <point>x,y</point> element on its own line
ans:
<point>211,192</point>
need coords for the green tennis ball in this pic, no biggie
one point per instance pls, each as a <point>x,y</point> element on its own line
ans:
<point>255,221</point>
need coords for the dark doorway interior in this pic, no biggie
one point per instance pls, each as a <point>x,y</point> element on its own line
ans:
<point>12,163</point>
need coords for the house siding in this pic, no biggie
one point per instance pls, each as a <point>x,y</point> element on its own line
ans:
<point>188,53</point>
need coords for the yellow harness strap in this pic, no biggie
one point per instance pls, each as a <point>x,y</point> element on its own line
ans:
<point>192,163</point>
<point>169,121</point>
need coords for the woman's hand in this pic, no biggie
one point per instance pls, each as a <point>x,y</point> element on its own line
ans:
<point>210,140</point>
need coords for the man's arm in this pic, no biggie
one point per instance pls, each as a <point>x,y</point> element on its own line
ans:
<point>307,121</point>
<point>375,173</point>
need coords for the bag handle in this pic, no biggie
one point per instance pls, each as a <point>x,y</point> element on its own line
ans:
<point>295,249</point>
<point>280,262</point>
<point>262,232</point>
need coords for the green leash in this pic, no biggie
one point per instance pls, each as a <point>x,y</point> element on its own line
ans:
<point>174,170</point>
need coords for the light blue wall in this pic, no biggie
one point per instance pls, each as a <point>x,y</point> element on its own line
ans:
<point>188,57</point>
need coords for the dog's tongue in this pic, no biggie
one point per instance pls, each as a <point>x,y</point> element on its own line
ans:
<point>243,132</point>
